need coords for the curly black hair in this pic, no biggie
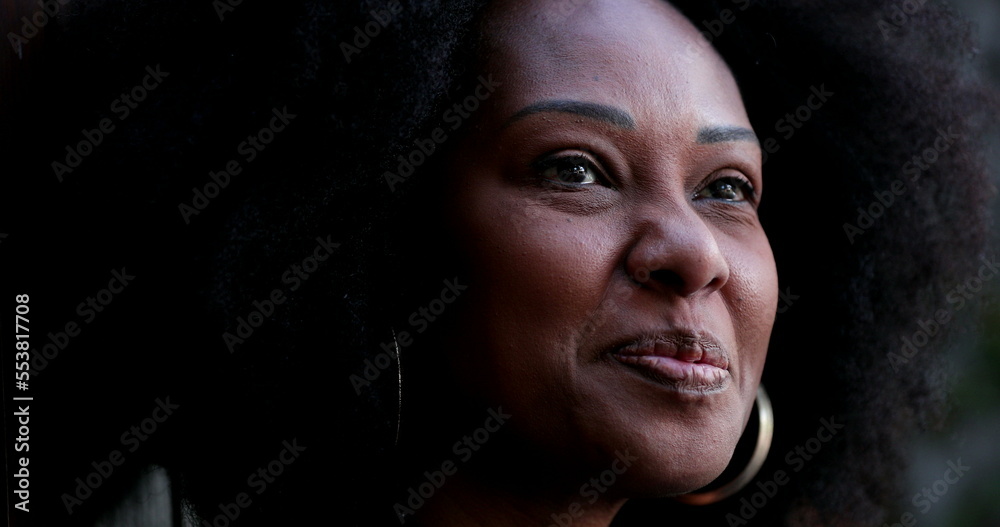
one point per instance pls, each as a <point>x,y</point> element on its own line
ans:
<point>876,212</point>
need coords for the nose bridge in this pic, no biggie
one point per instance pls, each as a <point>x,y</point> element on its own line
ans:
<point>675,249</point>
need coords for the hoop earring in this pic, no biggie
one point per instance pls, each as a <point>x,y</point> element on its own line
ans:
<point>765,434</point>
<point>399,377</point>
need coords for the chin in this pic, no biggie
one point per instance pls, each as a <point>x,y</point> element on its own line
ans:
<point>657,475</point>
<point>678,455</point>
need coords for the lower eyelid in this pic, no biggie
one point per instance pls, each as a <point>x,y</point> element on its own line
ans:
<point>555,185</point>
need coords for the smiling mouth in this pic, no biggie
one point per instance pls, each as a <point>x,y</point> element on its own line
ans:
<point>682,361</point>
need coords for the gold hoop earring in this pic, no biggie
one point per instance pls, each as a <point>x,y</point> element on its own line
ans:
<point>765,433</point>
<point>399,377</point>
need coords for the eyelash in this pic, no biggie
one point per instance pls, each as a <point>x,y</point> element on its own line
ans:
<point>737,180</point>
<point>553,161</point>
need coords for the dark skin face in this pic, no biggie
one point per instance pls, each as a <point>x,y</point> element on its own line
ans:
<point>621,288</point>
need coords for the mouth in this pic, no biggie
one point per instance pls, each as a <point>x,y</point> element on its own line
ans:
<point>682,360</point>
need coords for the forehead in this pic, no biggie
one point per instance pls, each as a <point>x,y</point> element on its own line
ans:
<point>642,56</point>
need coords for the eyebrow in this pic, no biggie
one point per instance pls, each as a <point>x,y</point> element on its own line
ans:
<point>622,119</point>
<point>722,134</point>
<point>591,110</point>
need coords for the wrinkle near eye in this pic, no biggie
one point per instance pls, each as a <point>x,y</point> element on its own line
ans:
<point>582,201</point>
<point>728,218</point>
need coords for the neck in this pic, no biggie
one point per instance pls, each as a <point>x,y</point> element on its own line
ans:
<point>461,502</point>
<point>469,499</point>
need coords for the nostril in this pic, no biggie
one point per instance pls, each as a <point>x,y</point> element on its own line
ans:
<point>670,280</point>
<point>667,278</point>
<point>677,258</point>
<point>659,277</point>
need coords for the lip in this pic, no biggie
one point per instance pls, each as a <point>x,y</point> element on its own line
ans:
<point>683,360</point>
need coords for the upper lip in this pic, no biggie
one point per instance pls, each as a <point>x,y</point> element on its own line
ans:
<point>682,344</point>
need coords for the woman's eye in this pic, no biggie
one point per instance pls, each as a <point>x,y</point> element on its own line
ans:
<point>727,189</point>
<point>569,170</point>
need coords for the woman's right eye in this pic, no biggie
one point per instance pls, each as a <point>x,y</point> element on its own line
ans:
<point>569,170</point>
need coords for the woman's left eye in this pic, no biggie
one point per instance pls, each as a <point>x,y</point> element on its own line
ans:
<point>727,189</point>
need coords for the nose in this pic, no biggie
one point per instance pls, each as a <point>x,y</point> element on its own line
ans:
<point>677,253</point>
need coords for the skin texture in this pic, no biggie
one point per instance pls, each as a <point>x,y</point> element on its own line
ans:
<point>561,273</point>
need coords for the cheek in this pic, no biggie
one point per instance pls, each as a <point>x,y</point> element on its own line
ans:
<point>753,294</point>
<point>525,250</point>
<point>536,275</point>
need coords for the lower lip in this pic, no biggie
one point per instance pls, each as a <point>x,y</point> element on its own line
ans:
<point>677,374</point>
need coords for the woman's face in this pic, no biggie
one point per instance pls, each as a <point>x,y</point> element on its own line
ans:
<point>621,290</point>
